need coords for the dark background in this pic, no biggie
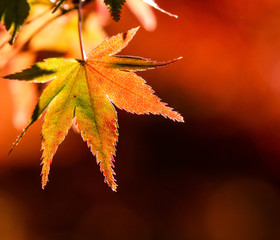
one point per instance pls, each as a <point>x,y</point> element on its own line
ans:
<point>214,177</point>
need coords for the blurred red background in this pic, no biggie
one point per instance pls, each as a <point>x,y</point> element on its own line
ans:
<point>215,177</point>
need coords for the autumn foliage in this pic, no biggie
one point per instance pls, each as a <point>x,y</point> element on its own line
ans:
<point>215,177</point>
<point>83,91</point>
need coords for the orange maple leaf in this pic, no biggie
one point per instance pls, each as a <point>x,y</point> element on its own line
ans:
<point>84,90</point>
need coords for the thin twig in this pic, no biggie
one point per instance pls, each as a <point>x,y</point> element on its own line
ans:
<point>80,29</point>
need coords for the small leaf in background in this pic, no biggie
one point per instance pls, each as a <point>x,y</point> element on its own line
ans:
<point>143,13</point>
<point>85,91</point>
<point>115,7</point>
<point>142,9</point>
<point>12,14</point>
<point>154,5</point>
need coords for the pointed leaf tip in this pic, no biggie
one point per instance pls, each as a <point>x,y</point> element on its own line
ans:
<point>130,33</point>
<point>174,60</point>
<point>19,138</point>
<point>112,45</point>
<point>115,7</point>
<point>114,188</point>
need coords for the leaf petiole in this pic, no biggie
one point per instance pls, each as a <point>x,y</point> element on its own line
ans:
<point>80,29</point>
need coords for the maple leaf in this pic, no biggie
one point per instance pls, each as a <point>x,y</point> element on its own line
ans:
<point>85,90</point>
<point>115,7</point>
<point>13,13</point>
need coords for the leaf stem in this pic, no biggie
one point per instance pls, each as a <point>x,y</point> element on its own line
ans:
<point>80,30</point>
